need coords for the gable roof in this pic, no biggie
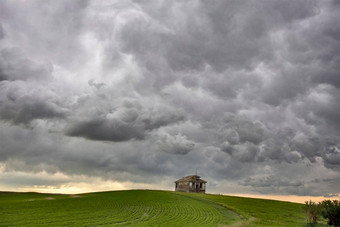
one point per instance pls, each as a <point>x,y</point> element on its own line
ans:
<point>191,178</point>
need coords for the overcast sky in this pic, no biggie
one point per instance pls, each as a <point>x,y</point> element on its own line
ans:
<point>105,95</point>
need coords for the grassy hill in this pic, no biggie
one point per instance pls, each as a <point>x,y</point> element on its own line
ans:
<point>145,208</point>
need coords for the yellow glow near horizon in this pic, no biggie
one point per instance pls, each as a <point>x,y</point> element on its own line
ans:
<point>288,198</point>
<point>84,184</point>
<point>78,188</point>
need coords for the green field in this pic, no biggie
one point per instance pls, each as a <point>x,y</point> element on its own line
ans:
<point>145,208</point>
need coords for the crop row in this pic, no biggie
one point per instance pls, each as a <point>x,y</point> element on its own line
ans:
<point>137,208</point>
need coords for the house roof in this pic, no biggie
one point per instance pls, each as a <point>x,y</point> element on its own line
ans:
<point>191,178</point>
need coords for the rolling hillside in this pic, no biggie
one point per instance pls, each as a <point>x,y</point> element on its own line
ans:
<point>145,208</point>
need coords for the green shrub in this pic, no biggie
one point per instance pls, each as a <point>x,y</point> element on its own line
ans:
<point>331,211</point>
<point>313,211</point>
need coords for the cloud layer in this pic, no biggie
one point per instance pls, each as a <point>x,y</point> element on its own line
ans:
<point>139,91</point>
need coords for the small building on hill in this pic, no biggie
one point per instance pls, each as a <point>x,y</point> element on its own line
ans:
<point>192,183</point>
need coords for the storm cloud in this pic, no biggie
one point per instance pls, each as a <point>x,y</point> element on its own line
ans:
<point>138,91</point>
<point>128,121</point>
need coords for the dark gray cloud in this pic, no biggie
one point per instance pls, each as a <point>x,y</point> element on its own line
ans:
<point>245,91</point>
<point>20,104</point>
<point>130,120</point>
<point>177,144</point>
<point>2,32</point>
<point>332,156</point>
<point>14,66</point>
<point>45,30</point>
<point>101,129</point>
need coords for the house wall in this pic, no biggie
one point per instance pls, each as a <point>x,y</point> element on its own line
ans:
<point>190,187</point>
<point>182,187</point>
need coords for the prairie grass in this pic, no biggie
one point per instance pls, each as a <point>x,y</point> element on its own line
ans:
<point>145,208</point>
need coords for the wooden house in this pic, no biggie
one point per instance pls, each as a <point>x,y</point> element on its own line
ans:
<point>192,183</point>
